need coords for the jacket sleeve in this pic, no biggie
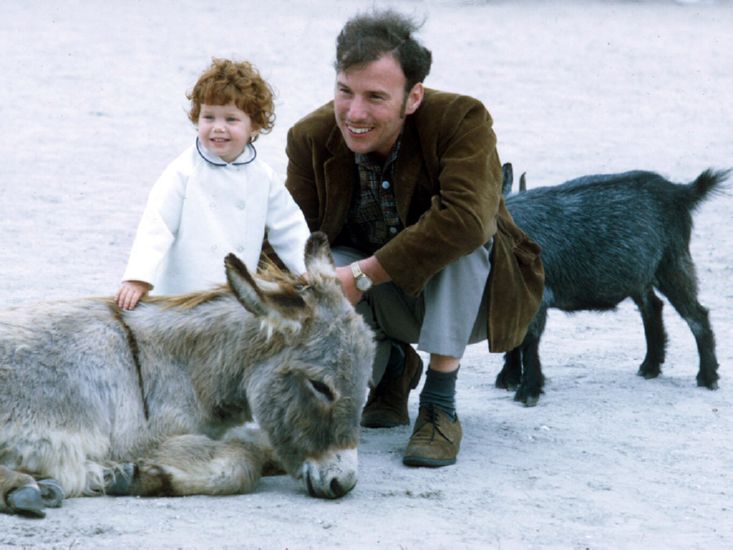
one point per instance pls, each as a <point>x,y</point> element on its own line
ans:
<point>301,178</point>
<point>462,212</point>
<point>157,228</point>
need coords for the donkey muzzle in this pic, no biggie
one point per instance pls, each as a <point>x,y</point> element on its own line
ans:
<point>332,475</point>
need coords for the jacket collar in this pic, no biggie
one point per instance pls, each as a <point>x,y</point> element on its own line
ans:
<point>407,169</point>
<point>341,168</point>
<point>339,172</point>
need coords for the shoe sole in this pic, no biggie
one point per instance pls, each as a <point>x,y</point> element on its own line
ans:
<point>422,461</point>
<point>383,424</point>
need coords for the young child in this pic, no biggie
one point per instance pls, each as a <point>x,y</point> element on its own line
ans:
<point>217,197</point>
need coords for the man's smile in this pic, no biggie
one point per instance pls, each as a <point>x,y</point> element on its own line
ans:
<point>358,130</point>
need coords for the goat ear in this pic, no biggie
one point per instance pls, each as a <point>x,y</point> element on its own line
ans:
<point>507,173</point>
<point>318,259</point>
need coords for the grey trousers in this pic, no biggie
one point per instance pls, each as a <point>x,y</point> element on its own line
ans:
<point>448,315</point>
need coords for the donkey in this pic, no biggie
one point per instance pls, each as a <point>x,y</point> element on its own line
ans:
<point>606,238</point>
<point>153,401</point>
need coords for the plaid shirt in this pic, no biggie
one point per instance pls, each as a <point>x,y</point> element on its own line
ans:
<point>373,218</point>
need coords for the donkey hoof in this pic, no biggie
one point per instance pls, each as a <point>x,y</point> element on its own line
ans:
<point>118,480</point>
<point>26,501</point>
<point>51,492</point>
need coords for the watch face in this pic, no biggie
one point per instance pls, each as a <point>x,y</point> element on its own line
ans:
<point>363,283</point>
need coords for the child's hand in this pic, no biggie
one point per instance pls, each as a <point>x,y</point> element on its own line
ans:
<point>130,293</point>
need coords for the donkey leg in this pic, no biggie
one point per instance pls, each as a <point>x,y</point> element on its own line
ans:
<point>251,433</point>
<point>193,465</point>
<point>650,307</point>
<point>21,494</point>
<point>679,285</point>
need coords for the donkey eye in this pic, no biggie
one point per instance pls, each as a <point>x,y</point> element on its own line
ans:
<point>322,389</point>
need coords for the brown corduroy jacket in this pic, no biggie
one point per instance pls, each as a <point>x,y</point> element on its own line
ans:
<point>448,192</point>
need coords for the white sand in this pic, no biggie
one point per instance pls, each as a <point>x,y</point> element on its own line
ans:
<point>92,102</point>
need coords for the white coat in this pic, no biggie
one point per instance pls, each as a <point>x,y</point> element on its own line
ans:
<point>199,210</point>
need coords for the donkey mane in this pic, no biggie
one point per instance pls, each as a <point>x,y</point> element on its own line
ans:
<point>269,277</point>
<point>190,300</point>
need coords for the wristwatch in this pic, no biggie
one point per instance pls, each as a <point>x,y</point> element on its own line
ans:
<point>363,282</point>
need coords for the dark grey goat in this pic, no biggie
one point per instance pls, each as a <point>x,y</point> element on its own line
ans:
<point>606,238</point>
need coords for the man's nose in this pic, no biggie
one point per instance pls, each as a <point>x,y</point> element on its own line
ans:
<point>357,109</point>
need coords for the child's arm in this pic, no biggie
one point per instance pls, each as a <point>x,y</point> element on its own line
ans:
<point>155,234</point>
<point>287,230</point>
<point>130,293</point>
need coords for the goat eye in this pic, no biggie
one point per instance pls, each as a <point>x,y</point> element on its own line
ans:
<point>322,389</point>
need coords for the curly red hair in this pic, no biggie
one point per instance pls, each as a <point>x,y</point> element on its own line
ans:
<point>227,81</point>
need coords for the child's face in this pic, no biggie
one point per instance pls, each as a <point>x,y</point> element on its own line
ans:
<point>225,130</point>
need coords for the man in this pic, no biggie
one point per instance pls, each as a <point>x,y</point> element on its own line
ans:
<point>406,183</point>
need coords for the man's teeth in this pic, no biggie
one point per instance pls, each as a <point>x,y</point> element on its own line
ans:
<point>360,130</point>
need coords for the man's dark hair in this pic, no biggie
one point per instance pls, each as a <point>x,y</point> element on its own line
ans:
<point>367,37</point>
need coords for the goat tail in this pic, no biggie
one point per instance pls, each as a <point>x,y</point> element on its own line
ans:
<point>710,181</point>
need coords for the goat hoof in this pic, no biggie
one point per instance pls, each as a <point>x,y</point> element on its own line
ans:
<point>506,384</point>
<point>506,381</point>
<point>118,480</point>
<point>51,492</point>
<point>26,501</point>
<point>531,400</point>
<point>526,397</point>
<point>649,371</point>
<point>709,385</point>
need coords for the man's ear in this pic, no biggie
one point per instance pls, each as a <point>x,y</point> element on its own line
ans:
<point>414,98</point>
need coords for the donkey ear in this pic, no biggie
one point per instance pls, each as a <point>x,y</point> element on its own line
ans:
<point>318,258</point>
<point>244,286</point>
<point>278,305</point>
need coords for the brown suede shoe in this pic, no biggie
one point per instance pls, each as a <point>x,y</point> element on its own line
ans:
<point>435,440</point>
<point>386,406</point>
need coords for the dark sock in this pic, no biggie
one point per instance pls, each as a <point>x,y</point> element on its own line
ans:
<point>440,390</point>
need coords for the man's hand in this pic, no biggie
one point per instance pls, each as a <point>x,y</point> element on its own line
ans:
<point>371,267</point>
<point>130,293</point>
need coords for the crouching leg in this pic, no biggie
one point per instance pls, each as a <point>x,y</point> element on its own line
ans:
<point>191,465</point>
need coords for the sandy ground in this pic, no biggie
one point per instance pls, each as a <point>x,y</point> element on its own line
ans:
<point>92,102</point>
